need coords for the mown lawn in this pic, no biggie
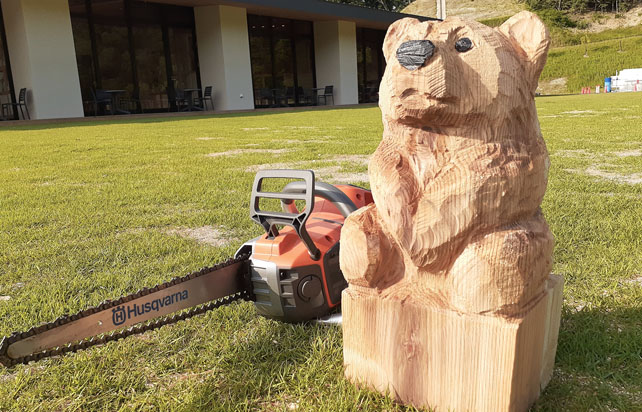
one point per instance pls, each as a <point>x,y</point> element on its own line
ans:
<point>91,211</point>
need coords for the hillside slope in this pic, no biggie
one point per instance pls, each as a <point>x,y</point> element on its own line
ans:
<point>476,10</point>
<point>568,69</point>
<point>579,58</point>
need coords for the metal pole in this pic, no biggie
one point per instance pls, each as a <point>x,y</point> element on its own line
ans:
<point>441,9</point>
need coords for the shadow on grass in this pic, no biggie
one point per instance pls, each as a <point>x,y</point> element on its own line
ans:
<point>262,374</point>
<point>599,362</point>
<point>140,119</point>
<point>598,367</point>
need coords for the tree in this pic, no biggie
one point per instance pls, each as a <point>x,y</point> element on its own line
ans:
<point>389,5</point>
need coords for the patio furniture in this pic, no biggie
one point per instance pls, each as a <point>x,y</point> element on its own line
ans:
<point>185,97</point>
<point>131,104</point>
<point>100,98</point>
<point>22,102</point>
<point>307,96</point>
<point>264,97</point>
<point>115,101</point>
<point>207,96</point>
<point>192,96</point>
<point>280,97</point>
<point>327,93</point>
<point>290,96</point>
<point>179,99</point>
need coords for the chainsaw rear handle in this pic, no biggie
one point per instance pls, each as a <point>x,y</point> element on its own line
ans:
<point>303,189</point>
<point>323,190</point>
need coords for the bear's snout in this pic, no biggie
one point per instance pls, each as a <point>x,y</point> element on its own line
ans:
<point>414,53</point>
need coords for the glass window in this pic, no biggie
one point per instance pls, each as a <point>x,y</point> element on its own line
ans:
<point>6,95</point>
<point>84,56</point>
<point>159,38</point>
<point>283,59</point>
<point>150,66</point>
<point>281,53</point>
<point>183,55</point>
<point>304,59</point>
<point>370,63</point>
<point>112,46</point>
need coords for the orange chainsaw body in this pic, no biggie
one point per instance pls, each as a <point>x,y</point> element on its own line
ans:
<point>290,282</point>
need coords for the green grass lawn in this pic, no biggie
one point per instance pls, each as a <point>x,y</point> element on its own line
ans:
<point>91,211</point>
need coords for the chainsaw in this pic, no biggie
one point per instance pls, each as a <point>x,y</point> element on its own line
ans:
<point>291,273</point>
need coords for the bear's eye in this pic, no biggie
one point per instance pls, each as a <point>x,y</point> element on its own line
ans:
<point>463,45</point>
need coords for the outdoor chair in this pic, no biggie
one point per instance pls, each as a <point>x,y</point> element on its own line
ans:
<point>180,100</point>
<point>327,93</point>
<point>132,104</point>
<point>264,97</point>
<point>290,96</point>
<point>22,102</point>
<point>280,97</point>
<point>307,96</point>
<point>207,96</point>
<point>101,99</point>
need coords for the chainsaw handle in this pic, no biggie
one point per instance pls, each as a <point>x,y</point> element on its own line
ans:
<point>269,220</point>
<point>323,190</point>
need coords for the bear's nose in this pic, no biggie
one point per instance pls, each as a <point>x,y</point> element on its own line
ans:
<point>414,53</point>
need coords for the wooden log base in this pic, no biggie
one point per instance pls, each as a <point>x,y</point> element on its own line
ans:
<point>434,357</point>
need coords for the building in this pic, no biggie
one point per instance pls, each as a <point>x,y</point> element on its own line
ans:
<point>254,53</point>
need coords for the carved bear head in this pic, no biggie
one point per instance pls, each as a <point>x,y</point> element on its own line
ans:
<point>455,72</point>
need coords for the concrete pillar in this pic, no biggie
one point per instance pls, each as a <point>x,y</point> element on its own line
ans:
<point>43,57</point>
<point>224,55</point>
<point>335,52</point>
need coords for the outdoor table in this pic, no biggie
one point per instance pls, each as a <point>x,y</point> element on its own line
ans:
<point>189,98</point>
<point>115,106</point>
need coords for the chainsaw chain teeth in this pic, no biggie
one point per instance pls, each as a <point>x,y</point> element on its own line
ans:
<point>116,335</point>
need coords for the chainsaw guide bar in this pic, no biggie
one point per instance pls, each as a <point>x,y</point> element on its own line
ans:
<point>145,310</point>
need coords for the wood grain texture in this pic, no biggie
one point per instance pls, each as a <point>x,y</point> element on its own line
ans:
<point>428,356</point>
<point>456,230</point>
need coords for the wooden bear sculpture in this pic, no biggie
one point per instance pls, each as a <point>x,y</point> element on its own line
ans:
<point>456,235</point>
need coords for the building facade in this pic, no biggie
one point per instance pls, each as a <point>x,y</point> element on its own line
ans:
<point>253,53</point>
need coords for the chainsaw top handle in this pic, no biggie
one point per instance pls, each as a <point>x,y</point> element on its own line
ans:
<point>302,189</point>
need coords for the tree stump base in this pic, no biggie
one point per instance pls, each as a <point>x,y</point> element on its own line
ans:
<point>429,356</point>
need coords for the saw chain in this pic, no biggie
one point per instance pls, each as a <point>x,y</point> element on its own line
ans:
<point>142,327</point>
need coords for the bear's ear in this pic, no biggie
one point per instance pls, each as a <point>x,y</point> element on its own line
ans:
<point>529,36</point>
<point>396,30</point>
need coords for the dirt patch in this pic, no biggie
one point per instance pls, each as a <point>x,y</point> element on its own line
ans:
<point>5,298</point>
<point>208,138</point>
<point>581,113</point>
<point>208,235</point>
<point>169,381</point>
<point>8,377</point>
<point>554,86</point>
<point>629,153</point>
<point>479,10</point>
<point>604,21</point>
<point>299,141</point>
<point>236,152</point>
<point>333,174</point>
<point>636,281</point>
<point>251,129</point>
<point>633,179</point>
<point>325,173</point>
<point>574,153</point>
